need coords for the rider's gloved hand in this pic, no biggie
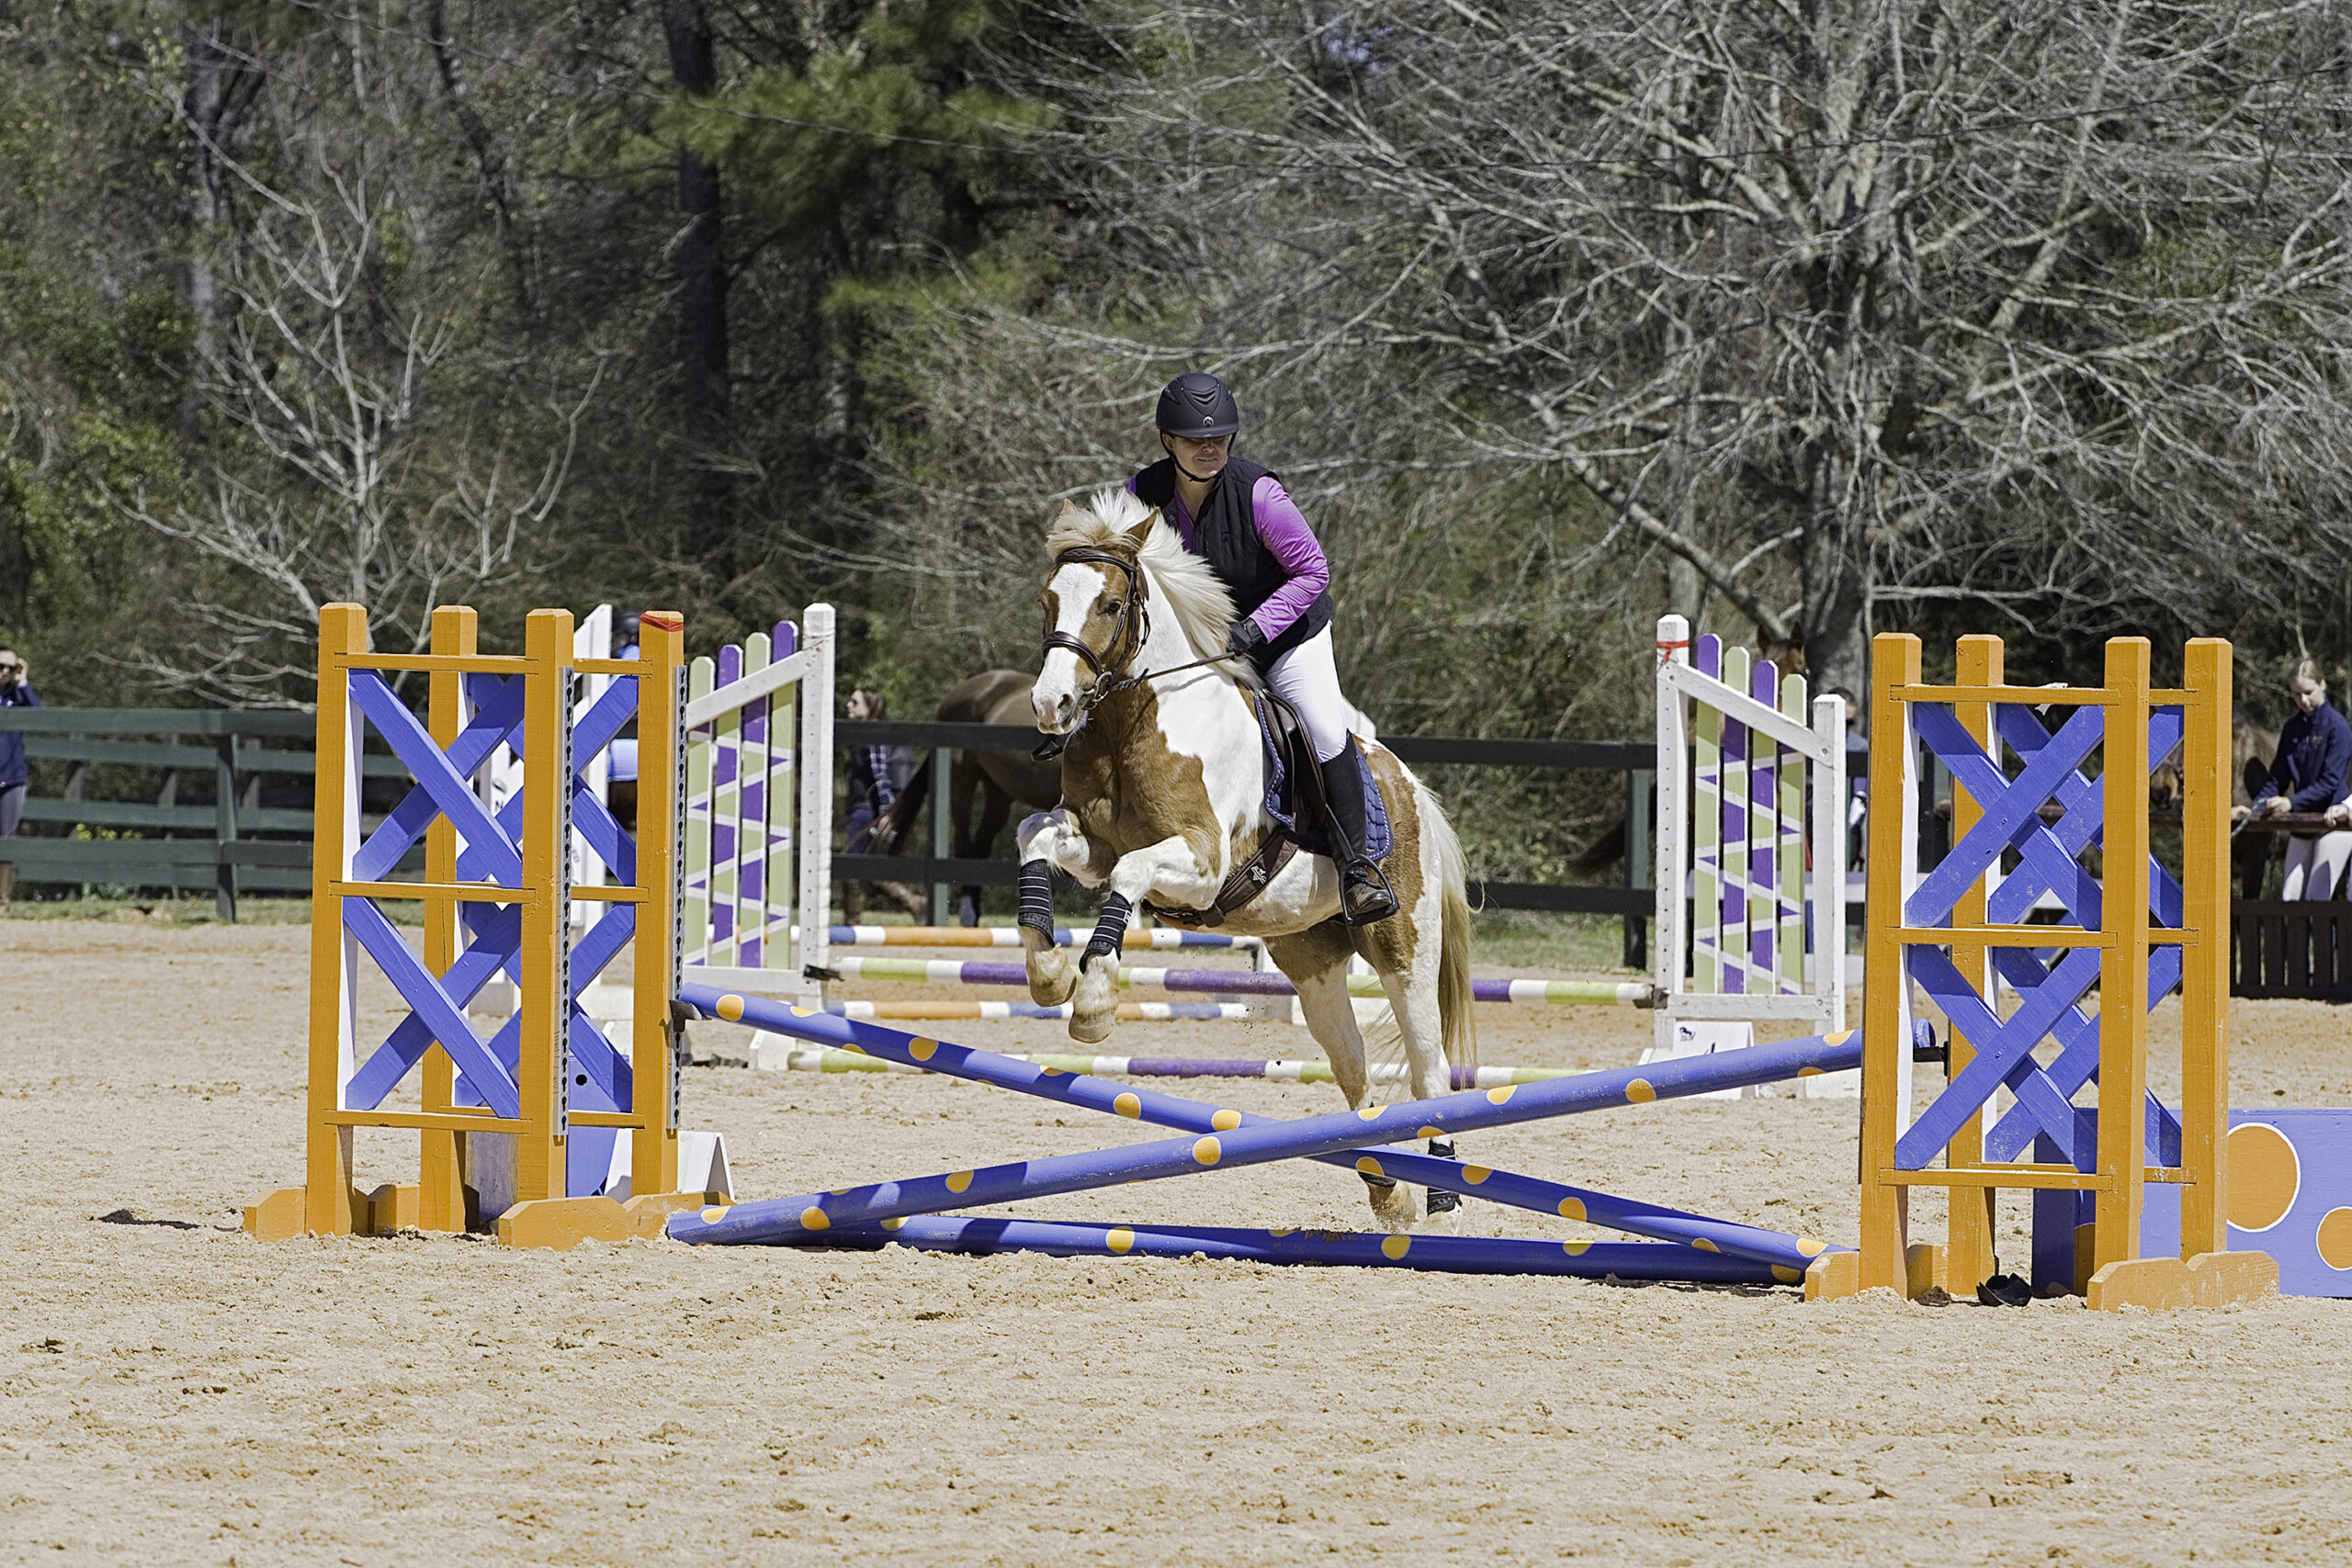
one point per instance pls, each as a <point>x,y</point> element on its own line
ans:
<point>1244,637</point>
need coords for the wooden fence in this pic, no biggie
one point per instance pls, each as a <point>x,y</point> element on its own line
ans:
<point>204,826</point>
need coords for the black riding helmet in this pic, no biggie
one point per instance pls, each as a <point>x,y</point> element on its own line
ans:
<point>1199,405</point>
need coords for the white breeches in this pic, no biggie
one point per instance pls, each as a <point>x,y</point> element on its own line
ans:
<point>1307,680</point>
<point>2313,865</point>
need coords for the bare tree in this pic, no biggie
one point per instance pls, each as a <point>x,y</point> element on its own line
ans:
<point>345,469</point>
<point>1852,306</point>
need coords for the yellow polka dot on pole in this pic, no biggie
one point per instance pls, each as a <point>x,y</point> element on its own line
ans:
<point>1475,1174</point>
<point>730,1007</point>
<point>1639,1093</point>
<point>1572,1208</point>
<point>1396,1246</point>
<point>1370,1167</point>
<point>1502,1096</point>
<point>958,1180</point>
<point>1127,1105</point>
<point>1208,1151</point>
<point>1120,1240</point>
<point>715,1213</point>
<point>1226,1121</point>
<point>923,1050</point>
<point>814,1219</point>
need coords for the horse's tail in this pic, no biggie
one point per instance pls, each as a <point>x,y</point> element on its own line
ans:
<point>1457,1010</point>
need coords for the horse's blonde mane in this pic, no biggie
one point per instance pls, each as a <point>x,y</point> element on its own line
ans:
<point>1202,607</point>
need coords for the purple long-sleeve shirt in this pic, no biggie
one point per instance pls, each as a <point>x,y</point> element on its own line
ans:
<point>1282,527</point>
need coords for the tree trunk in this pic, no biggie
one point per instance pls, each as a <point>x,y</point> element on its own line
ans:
<point>488,158</point>
<point>205,110</point>
<point>702,302</point>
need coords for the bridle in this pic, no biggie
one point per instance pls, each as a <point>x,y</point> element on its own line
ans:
<point>1135,629</point>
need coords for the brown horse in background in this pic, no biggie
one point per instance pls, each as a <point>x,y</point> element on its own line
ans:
<point>993,781</point>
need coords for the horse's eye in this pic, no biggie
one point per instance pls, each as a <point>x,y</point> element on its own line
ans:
<point>1114,608</point>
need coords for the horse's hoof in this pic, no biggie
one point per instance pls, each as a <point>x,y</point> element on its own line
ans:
<point>1051,984</point>
<point>1090,1031</point>
<point>1394,1208</point>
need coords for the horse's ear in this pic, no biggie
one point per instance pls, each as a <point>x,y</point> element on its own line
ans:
<point>1069,506</point>
<point>1140,534</point>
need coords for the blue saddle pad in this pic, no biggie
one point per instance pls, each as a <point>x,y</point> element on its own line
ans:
<point>1282,797</point>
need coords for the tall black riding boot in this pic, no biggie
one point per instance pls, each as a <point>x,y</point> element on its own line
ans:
<point>1364,892</point>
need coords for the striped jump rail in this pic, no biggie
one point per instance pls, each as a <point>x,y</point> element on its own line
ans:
<point>1241,982</point>
<point>1222,1138</point>
<point>1129,1012</point>
<point>826,1059</point>
<point>1156,938</point>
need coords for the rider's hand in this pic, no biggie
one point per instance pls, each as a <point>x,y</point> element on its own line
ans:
<point>2276,806</point>
<point>1244,637</point>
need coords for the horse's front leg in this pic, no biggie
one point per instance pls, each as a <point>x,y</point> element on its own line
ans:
<point>1171,869</point>
<point>1051,839</point>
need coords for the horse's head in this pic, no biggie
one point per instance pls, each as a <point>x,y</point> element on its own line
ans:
<point>1093,602</point>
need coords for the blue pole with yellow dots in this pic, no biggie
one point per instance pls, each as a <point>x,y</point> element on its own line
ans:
<point>1362,1249</point>
<point>1048,1081</point>
<point>1234,1139</point>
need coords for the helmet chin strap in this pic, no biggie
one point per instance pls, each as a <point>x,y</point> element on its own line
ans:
<point>1196,479</point>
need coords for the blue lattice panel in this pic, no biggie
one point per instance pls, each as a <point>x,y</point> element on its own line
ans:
<point>2051,983</point>
<point>598,1076</point>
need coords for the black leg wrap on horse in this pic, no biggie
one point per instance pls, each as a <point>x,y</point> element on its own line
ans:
<point>1110,931</point>
<point>1440,1201</point>
<point>1037,898</point>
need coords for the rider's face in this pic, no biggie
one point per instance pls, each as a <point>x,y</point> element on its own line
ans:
<point>1204,458</point>
<point>2307,694</point>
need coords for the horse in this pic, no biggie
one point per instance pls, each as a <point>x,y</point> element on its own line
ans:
<point>1163,795</point>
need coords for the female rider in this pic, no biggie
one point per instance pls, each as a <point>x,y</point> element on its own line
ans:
<point>1236,515</point>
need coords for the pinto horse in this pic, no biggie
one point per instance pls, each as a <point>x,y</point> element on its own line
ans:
<point>1164,795</point>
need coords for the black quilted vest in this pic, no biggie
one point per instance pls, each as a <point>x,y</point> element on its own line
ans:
<point>1225,534</point>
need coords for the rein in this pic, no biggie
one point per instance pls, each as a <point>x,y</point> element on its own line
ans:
<point>1135,627</point>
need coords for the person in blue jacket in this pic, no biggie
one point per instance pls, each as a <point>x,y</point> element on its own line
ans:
<point>2307,777</point>
<point>15,692</point>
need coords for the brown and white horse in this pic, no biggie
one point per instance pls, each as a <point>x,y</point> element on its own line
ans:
<point>1163,794</point>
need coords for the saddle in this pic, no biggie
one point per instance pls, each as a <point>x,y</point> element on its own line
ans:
<point>1294,798</point>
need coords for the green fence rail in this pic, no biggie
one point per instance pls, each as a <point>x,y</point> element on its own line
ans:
<point>155,842</point>
<point>77,839</point>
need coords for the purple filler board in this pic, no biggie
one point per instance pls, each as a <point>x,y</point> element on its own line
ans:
<point>2291,1196</point>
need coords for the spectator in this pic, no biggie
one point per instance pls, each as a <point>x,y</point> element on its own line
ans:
<point>16,777</point>
<point>2307,776</point>
<point>877,776</point>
